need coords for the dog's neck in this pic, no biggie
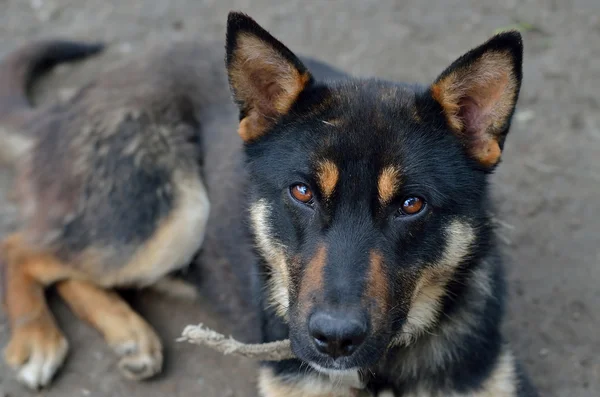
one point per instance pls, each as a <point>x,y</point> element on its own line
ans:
<point>468,329</point>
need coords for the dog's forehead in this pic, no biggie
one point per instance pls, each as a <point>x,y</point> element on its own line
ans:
<point>369,99</point>
<point>365,125</point>
<point>361,134</point>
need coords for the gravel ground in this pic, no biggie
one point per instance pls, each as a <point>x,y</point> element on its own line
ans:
<point>548,189</point>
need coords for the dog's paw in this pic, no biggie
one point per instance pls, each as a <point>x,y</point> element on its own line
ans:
<point>35,352</point>
<point>140,352</point>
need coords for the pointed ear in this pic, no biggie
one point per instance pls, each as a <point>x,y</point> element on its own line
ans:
<point>265,77</point>
<point>478,94</point>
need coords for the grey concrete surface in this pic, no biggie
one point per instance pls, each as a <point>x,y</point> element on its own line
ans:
<point>547,190</point>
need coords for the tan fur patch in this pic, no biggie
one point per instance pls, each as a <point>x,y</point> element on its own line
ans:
<point>252,127</point>
<point>266,82</point>
<point>327,177</point>
<point>41,266</point>
<point>378,288</point>
<point>490,86</point>
<point>274,254</point>
<point>305,385</point>
<point>503,380</point>
<point>488,152</point>
<point>172,245</point>
<point>435,353</point>
<point>312,279</point>
<point>26,278</point>
<point>91,304</point>
<point>387,185</point>
<point>430,287</point>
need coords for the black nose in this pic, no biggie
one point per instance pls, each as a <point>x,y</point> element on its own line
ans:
<point>337,335</point>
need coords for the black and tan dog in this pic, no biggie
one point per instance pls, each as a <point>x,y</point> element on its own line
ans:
<point>368,205</point>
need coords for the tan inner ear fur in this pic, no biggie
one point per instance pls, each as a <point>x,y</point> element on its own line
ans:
<point>266,82</point>
<point>489,84</point>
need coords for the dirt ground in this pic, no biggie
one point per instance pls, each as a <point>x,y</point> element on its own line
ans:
<point>548,189</point>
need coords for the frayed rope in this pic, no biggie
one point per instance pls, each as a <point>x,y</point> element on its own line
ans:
<point>273,351</point>
<point>201,335</point>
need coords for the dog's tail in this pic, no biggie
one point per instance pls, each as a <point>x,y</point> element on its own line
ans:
<point>18,72</point>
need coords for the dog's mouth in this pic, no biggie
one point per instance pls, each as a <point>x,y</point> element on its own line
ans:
<point>349,376</point>
<point>334,369</point>
<point>337,367</point>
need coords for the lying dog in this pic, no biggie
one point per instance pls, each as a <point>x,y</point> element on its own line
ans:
<point>368,205</point>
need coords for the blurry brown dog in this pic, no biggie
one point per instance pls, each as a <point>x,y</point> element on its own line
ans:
<point>110,189</point>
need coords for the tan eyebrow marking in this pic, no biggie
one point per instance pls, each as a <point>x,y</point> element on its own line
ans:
<point>388,183</point>
<point>327,177</point>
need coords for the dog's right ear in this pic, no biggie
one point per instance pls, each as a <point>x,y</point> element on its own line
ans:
<point>265,76</point>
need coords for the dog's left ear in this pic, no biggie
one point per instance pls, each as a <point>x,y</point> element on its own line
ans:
<point>478,94</point>
<point>265,77</point>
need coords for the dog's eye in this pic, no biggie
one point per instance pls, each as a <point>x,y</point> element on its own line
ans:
<point>302,193</point>
<point>412,206</point>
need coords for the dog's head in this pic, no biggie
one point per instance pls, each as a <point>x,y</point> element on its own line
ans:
<point>366,197</point>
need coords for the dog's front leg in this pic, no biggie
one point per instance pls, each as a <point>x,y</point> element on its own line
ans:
<point>37,347</point>
<point>130,336</point>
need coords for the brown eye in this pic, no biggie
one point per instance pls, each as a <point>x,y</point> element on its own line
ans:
<point>412,205</point>
<point>302,193</point>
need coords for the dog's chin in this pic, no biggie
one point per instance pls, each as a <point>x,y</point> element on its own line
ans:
<point>349,376</point>
<point>334,369</point>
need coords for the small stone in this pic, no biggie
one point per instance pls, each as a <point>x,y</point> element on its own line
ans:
<point>544,352</point>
